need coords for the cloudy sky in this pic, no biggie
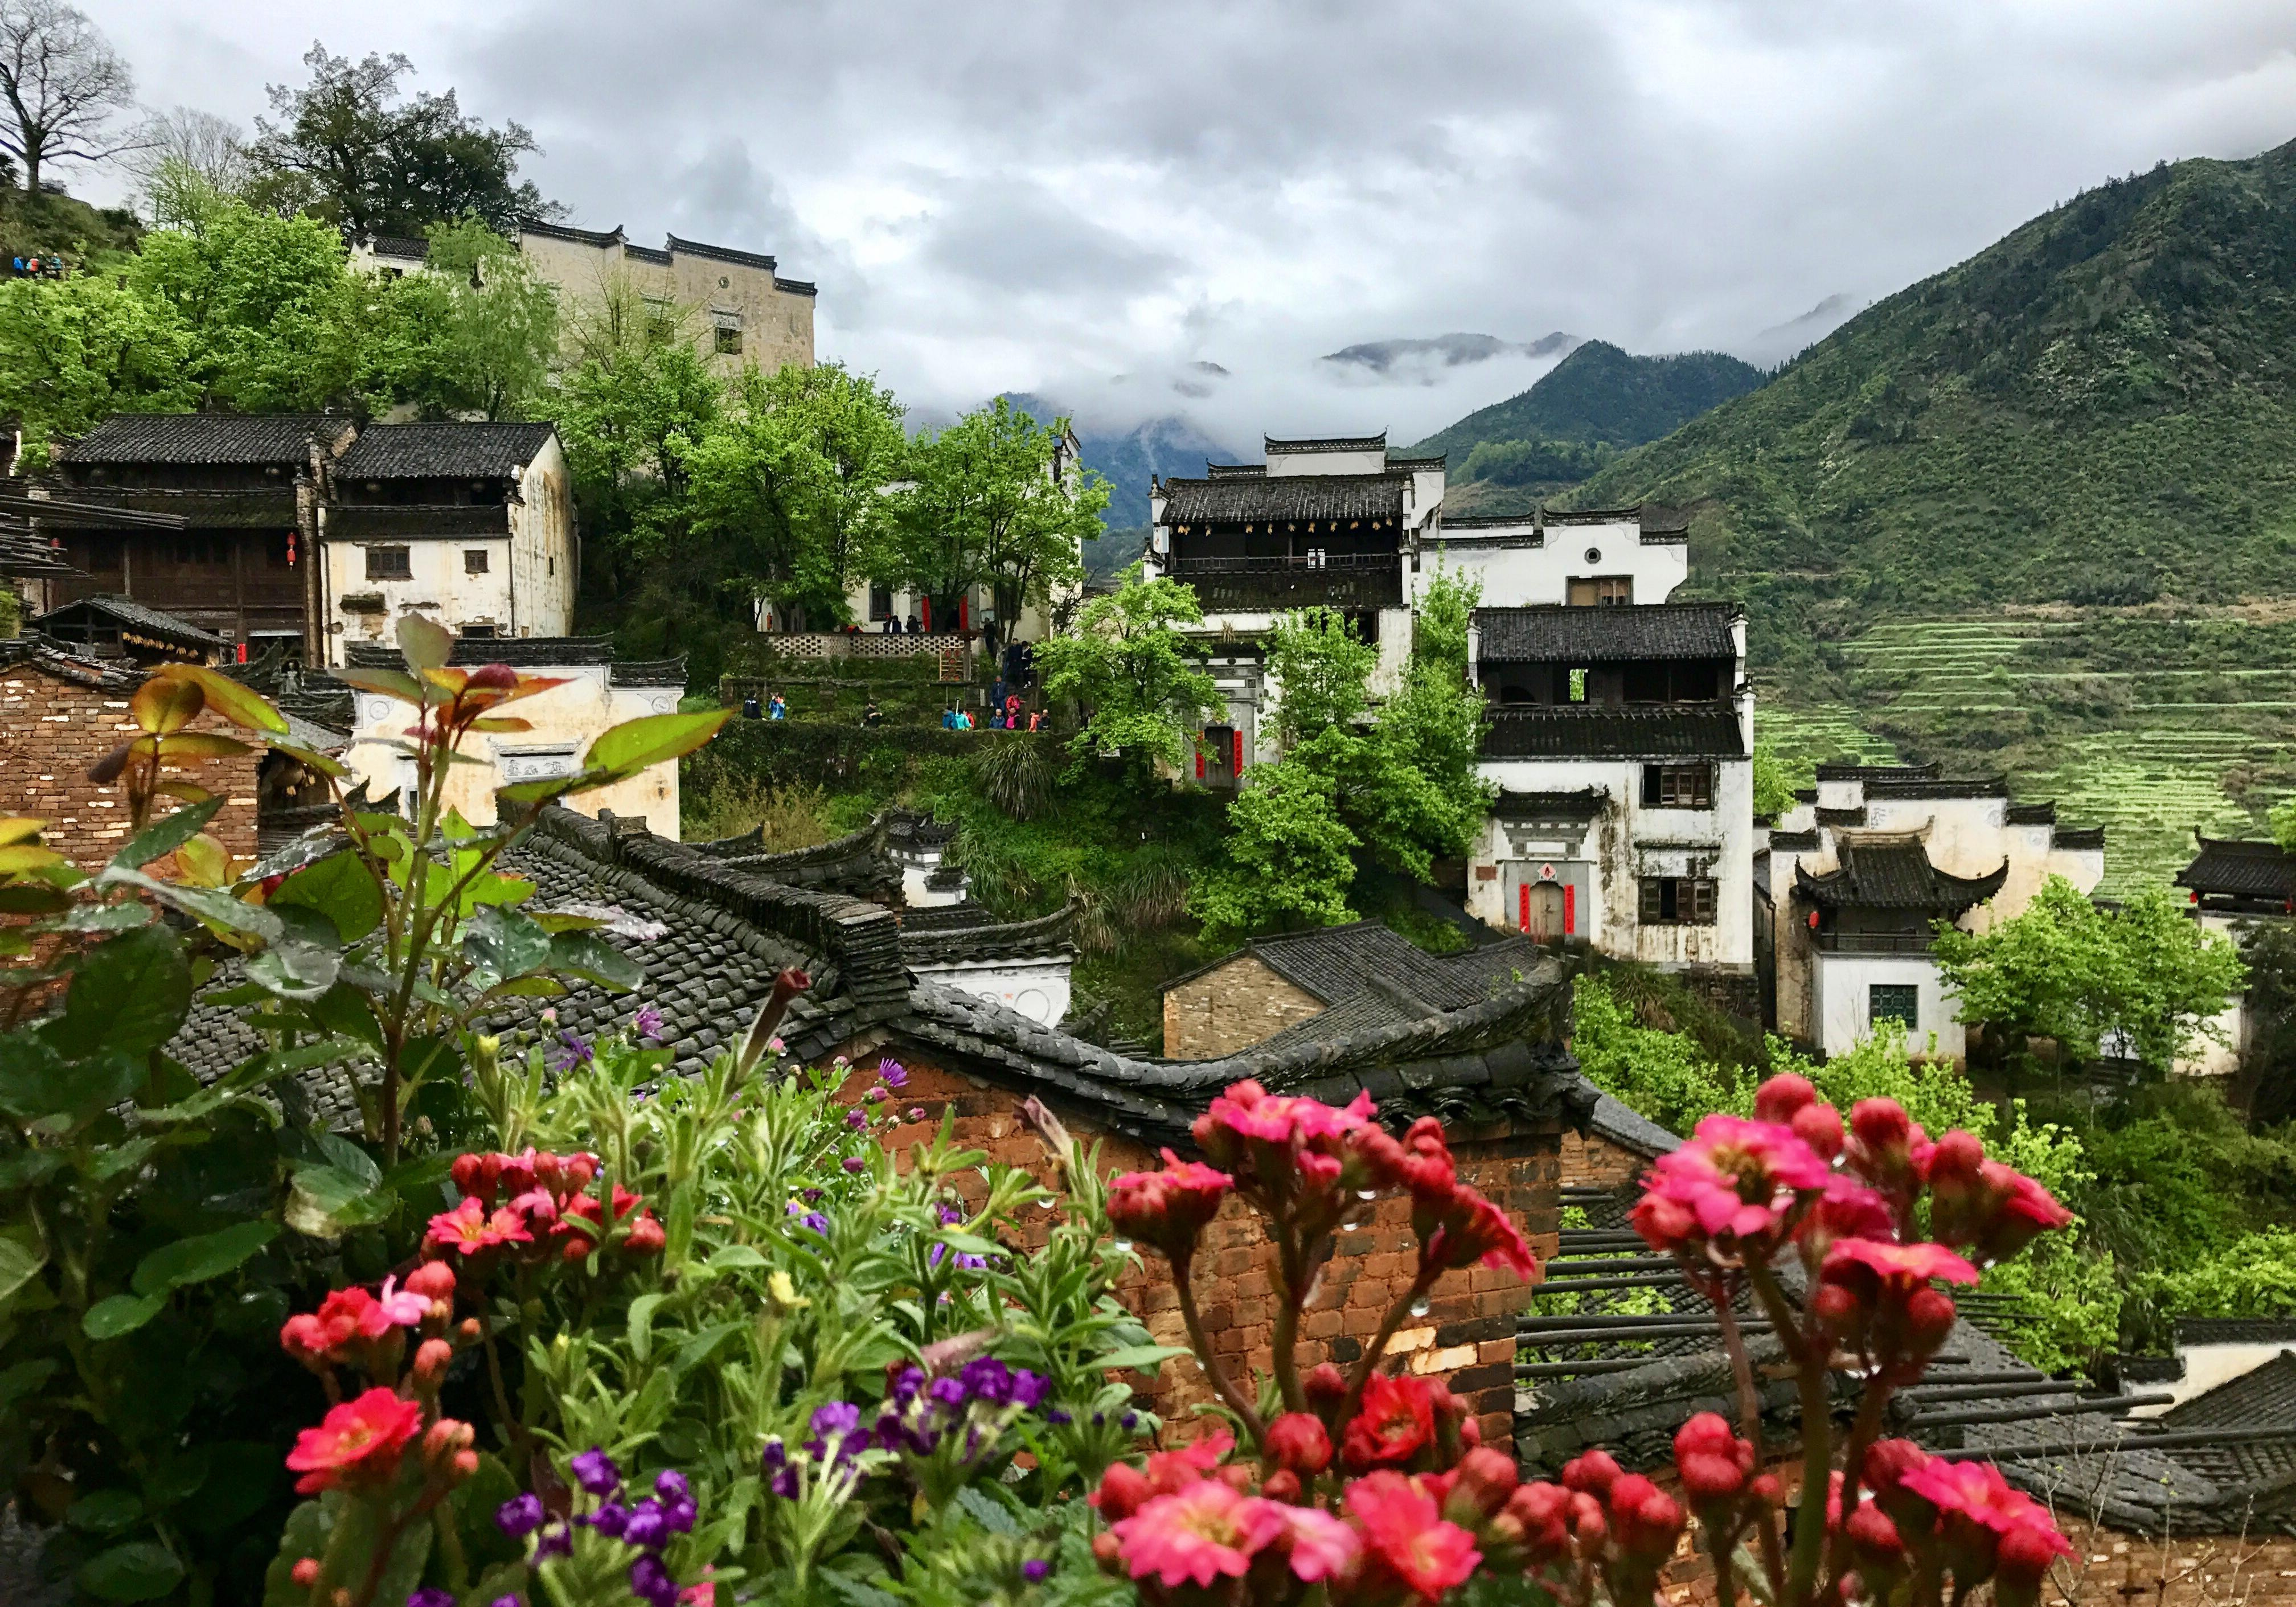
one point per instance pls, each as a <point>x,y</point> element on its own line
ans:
<point>1085,200</point>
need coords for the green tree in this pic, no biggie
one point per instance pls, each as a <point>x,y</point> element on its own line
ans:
<point>347,149</point>
<point>478,333</point>
<point>792,479</point>
<point>1320,672</point>
<point>986,509</point>
<point>2143,977</point>
<point>1139,684</point>
<point>2269,1059</point>
<point>1774,780</point>
<point>1290,857</point>
<point>275,317</point>
<point>2283,821</point>
<point>75,350</point>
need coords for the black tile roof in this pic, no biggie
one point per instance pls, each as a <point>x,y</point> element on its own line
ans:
<point>2233,868</point>
<point>1983,786</point>
<point>2236,1330</point>
<point>446,451</point>
<point>1339,962</point>
<point>528,652</point>
<point>226,439</point>
<point>2033,815</point>
<point>1243,499</point>
<point>720,254</point>
<point>1584,804</point>
<point>1235,471</point>
<point>559,231</point>
<point>1623,731</point>
<point>646,253</point>
<point>57,659</point>
<point>2262,1397</point>
<point>1894,876</point>
<point>1553,634</point>
<point>134,616</point>
<point>795,287</point>
<point>1794,842</point>
<point>1928,772</point>
<point>404,247</point>
<point>1332,443</point>
<point>2077,837</point>
<point>972,943</point>
<point>1396,461</point>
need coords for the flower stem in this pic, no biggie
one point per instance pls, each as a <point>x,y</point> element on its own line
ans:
<point>1750,1417</point>
<point>1388,1324</point>
<point>1183,1280</point>
<point>1283,1344</point>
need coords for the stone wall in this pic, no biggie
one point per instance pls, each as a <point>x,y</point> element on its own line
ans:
<point>1232,1007</point>
<point>1466,1333</point>
<point>52,728</point>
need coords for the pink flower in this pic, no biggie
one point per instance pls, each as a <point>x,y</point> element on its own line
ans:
<point>357,1443</point>
<point>1469,1229</point>
<point>1901,1267</point>
<point>1732,1184</point>
<point>1198,1535</point>
<point>1322,1546</point>
<point>406,1308</point>
<point>1395,1422</point>
<point>1846,1210</point>
<point>469,1229</point>
<point>1976,1491</point>
<point>1298,1442</point>
<point>1169,1207</point>
<point>1405,1535</point>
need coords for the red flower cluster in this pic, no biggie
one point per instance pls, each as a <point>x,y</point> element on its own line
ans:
<point>545,1205</point>
<point>1932,1517</point>
<point>1167,1209</point>
<point>1409,1423</point>
<point>358,1444</point>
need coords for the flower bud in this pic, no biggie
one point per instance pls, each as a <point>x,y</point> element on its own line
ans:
<point>1592,1474</point>
<point>1484,1482</point>
<point>1955,1198</point>
<point>1108,1550</point>
<point>1326,1388</point>
<point>470,1331</point>
<point>1645,1520</point>
<point>433,1281</point>
<point>1299,1443</point>
<point>1714,1462</point>
<point>1783,1097</point>
<point>1123,1490</point>
<point>1929,1318</point>
<point>305,1573</point>
<point>431,1359</point>
<point>646,1237</point>
<point>2023,1562</point>
<point>1169,1209</point>
<point>1282,1485</point>
<point>1820,1127</point>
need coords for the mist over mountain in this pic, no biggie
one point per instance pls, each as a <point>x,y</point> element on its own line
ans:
<point>1423,361</point>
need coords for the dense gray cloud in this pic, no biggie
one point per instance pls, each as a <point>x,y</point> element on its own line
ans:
<point>1046,196</point>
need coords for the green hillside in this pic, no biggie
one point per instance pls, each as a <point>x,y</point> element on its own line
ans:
<point>2098,409</point>
<point>1595,403</point>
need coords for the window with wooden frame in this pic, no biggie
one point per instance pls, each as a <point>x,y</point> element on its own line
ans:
<point>1678,786</point>
<point>1677,901</point>
<point>389,563</point>
<point>1898,1001</point>
<point>475,561</point>
<point>1600,591</point>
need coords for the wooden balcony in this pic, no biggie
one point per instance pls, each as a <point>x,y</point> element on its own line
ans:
<point>1348,580</point>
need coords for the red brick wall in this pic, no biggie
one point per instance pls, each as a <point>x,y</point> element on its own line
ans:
<point>1466,1334</point>
<point>52,729</point>
<point>1596,1162</point>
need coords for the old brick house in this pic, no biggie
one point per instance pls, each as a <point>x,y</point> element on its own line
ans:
<point>59,713</point>
<point>1494,1072</point>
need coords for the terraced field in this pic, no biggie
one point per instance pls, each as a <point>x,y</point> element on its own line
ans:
<point>2145,722</point>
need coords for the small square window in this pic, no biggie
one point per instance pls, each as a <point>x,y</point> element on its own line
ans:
<point>1677,901</point>
<point>474,560</point>
<point>729,341</point>
<point>478,633</point>
<point>389,563</point>
<point>1678,786</point>
<point>1898,1001</point>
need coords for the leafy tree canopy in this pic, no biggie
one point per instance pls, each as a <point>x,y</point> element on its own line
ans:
<point>347,148</point>
<point>1290,858</point>
<point>1140,685</point>
<point>477,334</point>
<point>2143,979</point>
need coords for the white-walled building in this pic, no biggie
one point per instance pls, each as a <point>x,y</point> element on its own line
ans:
<point>470,524</point>
<point>1620,741</point>
<point>1599,556</point>
<point>2235,885</point>
<point>600,692</point>
<point>1856,873</point>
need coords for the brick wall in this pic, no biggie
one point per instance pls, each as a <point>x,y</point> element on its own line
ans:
<point>1594,1162</point>
<point>51,728</point>
<point>1232,1007</point>
<point>1466,1333</point>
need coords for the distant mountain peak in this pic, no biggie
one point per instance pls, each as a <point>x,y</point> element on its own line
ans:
<point>1425,357</point>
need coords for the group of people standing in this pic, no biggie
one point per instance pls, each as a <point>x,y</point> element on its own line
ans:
<point>1007,716</point>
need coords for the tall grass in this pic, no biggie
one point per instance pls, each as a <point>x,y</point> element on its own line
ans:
<point>790,816</point>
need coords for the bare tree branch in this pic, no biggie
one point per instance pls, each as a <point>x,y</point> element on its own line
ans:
<point>64,86</point>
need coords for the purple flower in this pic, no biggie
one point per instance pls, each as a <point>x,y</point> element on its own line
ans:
<point>1056,1417</point>
<point>811,1196</point>
<point>785,1483</point>
<point>854,1163</point>
<point>520,1516</point>
<point>646,1025</point>
<point>892,1074</point>
<point>670,1485</point>
<point>857,1119</point>
<point>430,1595</point>
<point>985,1378</point>
<point>611,1519</point>
<point>817,1222</point>
<point>556,1541</point>
<point>651,1582</point>
<point>1130,1420</point>
<point>948,1392</point>
<point>596,1471</point>
<point>838,1417</point>
<point>680,1514</point>
<point>506,1601</point>
<point>1034,1569</point>
<point>572,1053</point>
<point>647,1528</point>
<point>916,1112</point>
<point>1029,1390</point>
<point>950,1216</point>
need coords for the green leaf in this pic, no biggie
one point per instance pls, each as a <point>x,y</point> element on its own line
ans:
<point>197,1259</point>
<point>219,910</point>
<point>634,745</point>
<point>108,1319</point>
<point>21,1169</point>
<point>22,1379</point>
<point>698,1350</point>
<point>641,1310</point>
<point>1144,1358</point>
<point>586,955</point>
<point>104,1512</point>
<point>141,1571</point>
<point>326,1203</point>
<point>391,682</point>
<point>21,1260</point>
<point>309,1527</point>
<point>340,888</point>
<point>164,837</point>
<point>505,943</point>
<point>129,995</point>
<point>36,1083</point>
<point>335,1150</point>
<point>424,644</point>
<point>34,898</point>
<point>106,917</point>
<point>295,970</point>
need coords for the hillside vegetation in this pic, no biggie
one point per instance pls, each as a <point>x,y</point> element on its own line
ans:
<point>1595,402</point>
<point>2098,409</point>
